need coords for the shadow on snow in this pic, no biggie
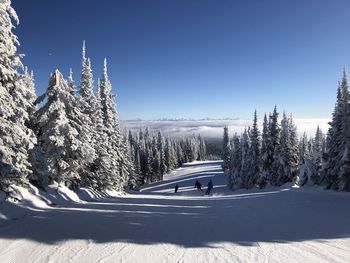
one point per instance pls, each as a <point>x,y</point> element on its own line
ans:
<point>190,219</point>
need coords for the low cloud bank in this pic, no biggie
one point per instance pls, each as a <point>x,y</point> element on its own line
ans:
<point>214,128</point>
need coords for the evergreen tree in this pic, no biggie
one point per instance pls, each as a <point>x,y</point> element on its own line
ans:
<point>337,159</point>
<point>274,148</point>
<point>254,155</point>
<point>317,153</point>
<point>38,162</point>
<point>307,169</point>
<point>169,155</point>
<point>226,150</point>
<point>162,161</point>
<point>289,152</point>
<point>286,162</point>
<point>266,158</point>
<point>60,134</point>
<point>246,161</point>
<point>70,81</point>
<point>236,163</point>
<point>202,152</point>
<point>110,120</point>
<point>88,100</point>
<point>16,140</point>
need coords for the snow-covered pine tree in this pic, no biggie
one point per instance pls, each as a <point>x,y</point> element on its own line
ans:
<point>162,161</point>
<point>226,150</point>
<point>170,160</point>
<point>246,158</point>
<point>16,140</point>
<point>38,162</point>
<point>273,150</point>
<point>70,81</point>
<point>202,152</point>
<point>60,134</point>
<point>180,159</point>
<point>136,179</point>
<point>307,169</point>
<point>110,119</point>
<point>317,153</point>
<point>286,161</point>
<point>90,106</point>
<point>266,159</point>
<point>254,155</point>
<point>236,163</point>
<point>337,164</point>
<point>156,170</point>
<point>103,167</point>
<point>127,171</point>
<point>294,149</point>
<point>303,148</point>
<point>88,99</point>
<point>344,172</point>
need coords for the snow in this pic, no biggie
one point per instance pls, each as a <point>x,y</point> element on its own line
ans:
<point>276,224</point>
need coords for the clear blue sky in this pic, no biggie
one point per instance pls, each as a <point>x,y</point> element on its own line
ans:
<point>196,58</point>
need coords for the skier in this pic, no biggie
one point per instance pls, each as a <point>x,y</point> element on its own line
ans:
<point>198,185</point>
<point>210,186</point>
<point>176,188</point>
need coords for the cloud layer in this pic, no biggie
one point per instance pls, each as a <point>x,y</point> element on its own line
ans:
<point>214,128</point>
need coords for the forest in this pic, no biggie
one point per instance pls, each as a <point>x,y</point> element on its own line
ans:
<point>71,133</point>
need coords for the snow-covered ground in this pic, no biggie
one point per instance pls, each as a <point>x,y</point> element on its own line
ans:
<point>272,225</point>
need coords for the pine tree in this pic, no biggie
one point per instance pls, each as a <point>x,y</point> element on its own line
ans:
<point>17,140</point>
<point>266,158</point>
<point>72,88</point>
<point>226,150</point>
<point>236,164</point>
<point>202,152</point>
<point>317,153</point>
<point>60,134</point>
<point>162,161</point>
<point>337,165</point>
<point>110,120</point>
<point>169,155</point>
<point>37,160</point>
<point>286,161</point>
<point>273,148</point>
<point>307,169</point>
<point>246,158</point>
<point>253,161</point>
<point>88,99</point>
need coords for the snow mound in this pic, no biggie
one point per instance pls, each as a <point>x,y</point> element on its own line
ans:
<point>23,201</point>
<point>91,195</point>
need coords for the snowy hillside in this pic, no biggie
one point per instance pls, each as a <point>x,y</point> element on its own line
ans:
<point>272,225</point>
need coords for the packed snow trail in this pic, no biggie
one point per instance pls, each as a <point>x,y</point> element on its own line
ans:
<point>157,225</point>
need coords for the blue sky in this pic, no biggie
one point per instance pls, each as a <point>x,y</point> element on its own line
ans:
<point>195,58</point>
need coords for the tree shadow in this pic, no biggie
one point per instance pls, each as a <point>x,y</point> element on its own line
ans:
<point>242,217</point>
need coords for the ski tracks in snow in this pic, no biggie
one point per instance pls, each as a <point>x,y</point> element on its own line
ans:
<point>270,225</point>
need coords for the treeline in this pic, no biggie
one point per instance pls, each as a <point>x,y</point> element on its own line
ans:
<point>153,155</point>
<point>276,155</point>
<point>74,137</point>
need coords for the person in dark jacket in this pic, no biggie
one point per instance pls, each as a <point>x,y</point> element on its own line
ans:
<point>198,185</point>
<point>210,187</point>
<point>176,188</point>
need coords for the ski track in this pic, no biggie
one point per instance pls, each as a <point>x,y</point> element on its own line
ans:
<point>155,225</point>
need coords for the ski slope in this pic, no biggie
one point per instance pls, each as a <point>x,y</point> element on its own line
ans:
<point>271,225</point>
